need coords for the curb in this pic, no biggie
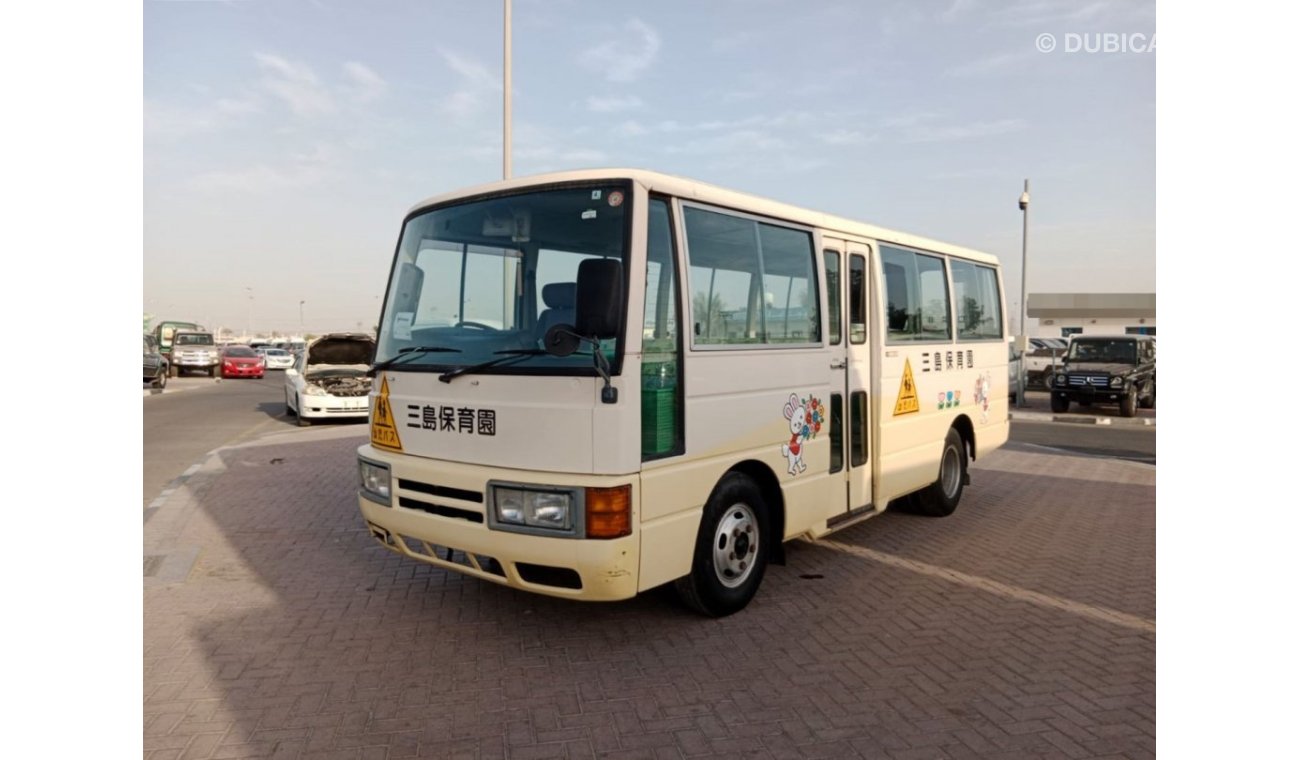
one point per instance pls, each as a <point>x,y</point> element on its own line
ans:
<point>1080,420</point>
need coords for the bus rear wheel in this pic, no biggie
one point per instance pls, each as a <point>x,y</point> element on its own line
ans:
<point>730,550</point>
<point>941,498</point>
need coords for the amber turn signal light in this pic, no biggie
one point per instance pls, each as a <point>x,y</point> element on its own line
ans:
<point>609,512</point>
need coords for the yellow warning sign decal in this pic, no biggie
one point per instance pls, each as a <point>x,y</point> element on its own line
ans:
<point>907,400</point>
<point>383,429</point>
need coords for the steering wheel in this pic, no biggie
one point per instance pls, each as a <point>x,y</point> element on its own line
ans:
<point>476,325</point>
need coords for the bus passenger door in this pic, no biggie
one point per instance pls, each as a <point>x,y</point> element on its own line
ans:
<point>858,381</point>
<point>846,287</point>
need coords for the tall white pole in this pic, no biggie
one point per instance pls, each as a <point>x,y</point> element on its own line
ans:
<point>505,132</point>
<point>1024,292</point>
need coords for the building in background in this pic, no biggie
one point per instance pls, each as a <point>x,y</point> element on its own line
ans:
<point>1060,315</point>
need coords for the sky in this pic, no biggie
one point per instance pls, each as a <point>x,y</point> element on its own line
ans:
<point>284,141</point>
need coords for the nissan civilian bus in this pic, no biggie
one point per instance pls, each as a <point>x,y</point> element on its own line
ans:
<point>593,383</point>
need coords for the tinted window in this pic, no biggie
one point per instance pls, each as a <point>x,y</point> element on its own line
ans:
<point>833,295</point>
<point>916,292</point>
<point>241,352</point>
<point>857,299</point>
<point>751,282</point>
<point>979,304</point>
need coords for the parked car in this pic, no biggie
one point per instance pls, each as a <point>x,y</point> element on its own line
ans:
<point>194,349</point>
<point>1042,360</point>
<point>155,365</point>
<point>277,358</point>
<point>330,379</point>
<point>1014,359</point>
<point>242,361</point>
<point>1107,369</point>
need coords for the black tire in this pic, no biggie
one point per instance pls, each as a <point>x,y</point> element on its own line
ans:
<point>735,517</point>
<point>172,370</point>
<point>213,372</point>
<point>288,410</point>
<point>1060,405</point>
<point>1150,401</point>
<point>1128,404</point>
<point>297,412</point>
<point>160,381</point>
<point>940,499</point>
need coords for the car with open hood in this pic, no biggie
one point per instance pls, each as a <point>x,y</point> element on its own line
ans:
<point>331,379</point>
<point>1103,369</point>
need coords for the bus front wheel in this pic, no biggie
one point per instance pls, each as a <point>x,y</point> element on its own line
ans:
<point>730,550</point>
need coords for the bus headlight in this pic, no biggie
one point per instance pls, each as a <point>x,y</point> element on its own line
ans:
<point>533,507</point>
<point>376,481</point>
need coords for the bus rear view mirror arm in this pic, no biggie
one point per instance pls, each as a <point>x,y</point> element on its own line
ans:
<point>562,340</point>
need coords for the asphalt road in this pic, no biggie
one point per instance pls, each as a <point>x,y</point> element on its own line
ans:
<point>1134,443</point>
<point>198,415</point>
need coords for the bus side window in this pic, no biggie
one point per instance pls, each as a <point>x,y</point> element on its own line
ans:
<point>833,295</point>
<point>857,299</point>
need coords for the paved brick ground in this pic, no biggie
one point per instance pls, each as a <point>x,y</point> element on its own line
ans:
<point>1022,626</point>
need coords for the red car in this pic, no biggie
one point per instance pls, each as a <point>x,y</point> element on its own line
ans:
<point>242,361</point>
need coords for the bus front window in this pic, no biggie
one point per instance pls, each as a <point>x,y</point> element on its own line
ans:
<point>473,280</point>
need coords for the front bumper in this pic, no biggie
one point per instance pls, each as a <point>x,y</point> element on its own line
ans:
<point>239,370</point>
<point>449,529</point>
<point>1090,394</point>
<point>194,362</point>
<point>334,407</point>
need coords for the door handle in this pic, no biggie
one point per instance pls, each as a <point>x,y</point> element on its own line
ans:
<point>840,364</point>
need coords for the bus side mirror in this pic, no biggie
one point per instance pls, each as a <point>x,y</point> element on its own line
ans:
<point>599,298</point>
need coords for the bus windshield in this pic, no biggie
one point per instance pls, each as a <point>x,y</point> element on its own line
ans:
<point>473,280</point>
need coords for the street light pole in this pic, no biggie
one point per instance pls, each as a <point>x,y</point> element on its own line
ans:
<point>505,131</point>
<point>301,329</point>
<point>248,331</point>
<point>1024,293</point>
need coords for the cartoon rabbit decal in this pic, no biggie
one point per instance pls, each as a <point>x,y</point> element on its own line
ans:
<point>805,417</point>
<point>793,451</point>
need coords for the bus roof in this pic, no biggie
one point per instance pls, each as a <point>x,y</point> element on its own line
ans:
<point>690,189</point>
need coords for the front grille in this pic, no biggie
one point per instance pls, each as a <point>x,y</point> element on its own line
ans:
<point>432,490</point>
<point>1096,381</point>
<point>440,509</point>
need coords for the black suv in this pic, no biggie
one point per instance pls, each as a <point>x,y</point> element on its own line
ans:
<point>1105,369</point>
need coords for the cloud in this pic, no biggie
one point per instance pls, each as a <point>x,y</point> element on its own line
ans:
<point>478,83</point>
<point>258,179</point>
<point>295,84</point>
<point>948,133</point>
<point>364,85</point>
<point>169,121</point>
<point>624,59</point>
<point>610,105</point>
<point>845,137</point>
<point>991,64</point>
<point>474,73</point>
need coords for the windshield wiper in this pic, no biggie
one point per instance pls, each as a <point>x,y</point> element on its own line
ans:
<point>409,353</point>
<point>514,354</point>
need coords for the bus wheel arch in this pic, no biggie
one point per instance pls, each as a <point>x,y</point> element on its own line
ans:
<point>774,499</point>
<point>966,430</point>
